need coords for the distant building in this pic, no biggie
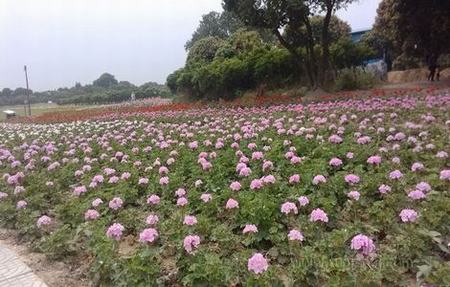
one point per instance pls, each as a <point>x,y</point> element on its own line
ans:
<point>9,114</point>
<point>357,34</point>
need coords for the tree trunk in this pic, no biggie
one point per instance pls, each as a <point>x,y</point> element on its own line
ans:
<point>310,50</point>
<point>326,42</point>
<point>297,57</point>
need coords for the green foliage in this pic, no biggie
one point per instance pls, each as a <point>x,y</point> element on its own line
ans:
<point>354,79</point>
<point>105,81</point>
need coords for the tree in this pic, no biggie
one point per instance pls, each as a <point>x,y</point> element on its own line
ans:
<point>105,81</point>
<point>204,50</point>
<point>413,28</point>
<point>277,15</point>
<point>214,24</point>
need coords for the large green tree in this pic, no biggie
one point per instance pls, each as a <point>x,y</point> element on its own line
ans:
<point>106,80</point>
<point>214,24</point>
<point>416,28</point>
<point>277,15</point>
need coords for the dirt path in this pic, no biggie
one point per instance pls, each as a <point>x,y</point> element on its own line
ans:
<point>54,274</point>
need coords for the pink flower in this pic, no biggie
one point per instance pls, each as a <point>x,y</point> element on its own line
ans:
<point>115,203</point>
<point>96,202</point>
<point>231,203</point>
<point>354,195</point>
<point>182,201</point>
<point>257,264</point>
<point>235,186</point>
<point>408,215</point>
<point>250,228</point>
<point>91,214</point>
<point>206,197</point>
<point>190,243</point>
<point>115,231</point>
<point>335,162</point>
<point>375,159</point>
<point>294,179</point>
<point>349,155</point>
<point>363,244</point>
<point>351,179</point>
<point>416,195</point>
<point>256,184</point>
<point>423,186</point>
<point>396,174</point>
<point>3,195</point>
<point>295,235</point>
<point>143,181</point>
<point>164,180</point>
<point>289,207</point>
<point>383,189</point>
<point>180,192</point>
<point>303,200</point>
<point>417,166</point>
<point>148,235</point>
<point>153,199</point>
<point>43,221</point>
<point>246,171</point>
<point>79,190</point>
<point>318,215</point>
<point>444,174</point>
<point>21,204</point>
<point>335,139</point>
<point>190,220</point>
<point>319,179</point>
<point>152,219</point>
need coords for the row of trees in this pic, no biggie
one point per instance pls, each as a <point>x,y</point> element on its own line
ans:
<point>410,31</point>
<point>105,89</point>
<point>255,44</point>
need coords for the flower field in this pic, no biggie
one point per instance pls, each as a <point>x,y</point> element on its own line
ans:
<point>337,193</point>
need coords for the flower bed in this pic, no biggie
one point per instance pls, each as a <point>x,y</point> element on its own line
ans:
<point>329,193</point>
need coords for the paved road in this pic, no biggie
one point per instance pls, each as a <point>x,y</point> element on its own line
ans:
<point>15,273</point>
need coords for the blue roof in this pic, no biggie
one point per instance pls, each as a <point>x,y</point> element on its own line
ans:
<point>356,35</point>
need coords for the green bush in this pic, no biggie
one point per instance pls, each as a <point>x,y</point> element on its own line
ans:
<point>354,79</point>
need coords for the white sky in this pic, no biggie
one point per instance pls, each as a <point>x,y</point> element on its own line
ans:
<point>68,41</point>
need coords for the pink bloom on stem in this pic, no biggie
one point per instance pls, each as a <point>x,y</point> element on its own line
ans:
<point>152,219</point>
<point>354,195</point>
<point>231,203</point>
<point>182,201</point>
<point>318,215</point>
<point>295,178</point>
<point>205,197</point>
<point>91,214</point>
<point>444,174</point>
<point>116,203</point>
<point>303,200</point>
<point>164,180</point>
<point>256,184</point>
<point>423,186</point>
<point>235,186</point>
<point>190,243</point>
<point>115,231</point>
<point>180,192</point>
<point>257,264</point>
<point>319,179</point>
<point>79,190</point>
<point>408,215</point>
<point>190,220</point>
<point>295,235</point>
<point>383,189</point>
<point>351,179</point>
<point>250,228</point>
<point>417,195</point>
<point>375,159</point>
<point>289,207</point>
<point>363,244</point>
<point>96,202</point>
<point>148,235</point>
<point>43,221</point>
<point>396,174</point>
<point>21,204</point>
<point>335,162</point>
<point>153,199</point>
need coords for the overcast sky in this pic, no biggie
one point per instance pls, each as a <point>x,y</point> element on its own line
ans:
<point>68,41</point>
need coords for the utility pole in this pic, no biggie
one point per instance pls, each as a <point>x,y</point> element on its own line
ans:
<point>28,90</point>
